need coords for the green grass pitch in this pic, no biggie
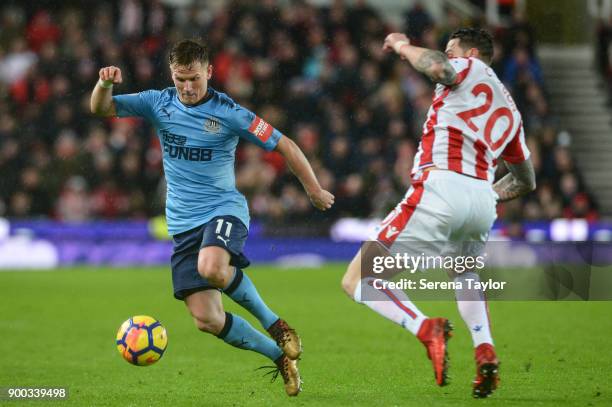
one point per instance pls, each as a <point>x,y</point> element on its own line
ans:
<point>58,329</point>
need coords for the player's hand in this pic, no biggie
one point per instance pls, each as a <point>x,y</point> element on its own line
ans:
<point>395,41</point>
<point>111,73</point>
<point>321,199</point>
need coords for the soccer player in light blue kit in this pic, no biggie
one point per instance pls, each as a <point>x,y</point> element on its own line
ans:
<point>208,218</point>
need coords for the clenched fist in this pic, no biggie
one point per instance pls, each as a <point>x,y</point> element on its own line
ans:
<point>395,41</point>
<point>110,75</point>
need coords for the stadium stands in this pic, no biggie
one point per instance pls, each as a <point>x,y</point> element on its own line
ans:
<point>318,75</point>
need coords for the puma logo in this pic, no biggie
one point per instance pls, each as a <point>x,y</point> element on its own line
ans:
<point>166,112</point>
<point>225,241</point>
<point>244,300</point>
<point>242,344</point>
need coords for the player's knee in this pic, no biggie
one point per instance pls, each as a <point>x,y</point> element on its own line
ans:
<point>210,268</point>
<point>352,277</point>
<point>346,286</point>
<point>349,283</point>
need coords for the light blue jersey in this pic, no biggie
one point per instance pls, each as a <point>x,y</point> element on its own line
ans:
<point>199,145</point>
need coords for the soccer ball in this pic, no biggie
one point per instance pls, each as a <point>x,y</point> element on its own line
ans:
<point>142,340</point>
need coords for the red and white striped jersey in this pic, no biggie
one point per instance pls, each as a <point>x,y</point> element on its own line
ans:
<point>471,124</point>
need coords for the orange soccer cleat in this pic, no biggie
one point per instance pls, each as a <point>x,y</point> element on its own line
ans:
<point>434,334</point>
<point>487,371</point>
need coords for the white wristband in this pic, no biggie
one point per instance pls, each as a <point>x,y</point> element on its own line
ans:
<point>398,45</point>
<point>107,84</point>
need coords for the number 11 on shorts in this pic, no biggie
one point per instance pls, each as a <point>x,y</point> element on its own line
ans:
<point>219,228</point>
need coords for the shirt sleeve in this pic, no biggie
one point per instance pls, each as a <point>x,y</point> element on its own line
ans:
<point>137,104</point>
<point>462,66</point>
<point>253,128</point>
<point>516,150</point>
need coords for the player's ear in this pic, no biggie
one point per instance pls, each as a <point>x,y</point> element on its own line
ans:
<point>473,52</point>
<point>209,71</point>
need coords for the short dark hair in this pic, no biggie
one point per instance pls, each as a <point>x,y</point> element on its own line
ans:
<point>475,38</point>
<point>186,52</point>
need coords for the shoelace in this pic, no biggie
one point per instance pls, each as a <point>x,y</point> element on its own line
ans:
<point>274,371</point>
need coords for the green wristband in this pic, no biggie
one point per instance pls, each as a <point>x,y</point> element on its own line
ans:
<point>107,84</point>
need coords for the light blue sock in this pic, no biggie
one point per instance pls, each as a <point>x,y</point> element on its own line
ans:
<point>242,290</point>
<point>239,333</point>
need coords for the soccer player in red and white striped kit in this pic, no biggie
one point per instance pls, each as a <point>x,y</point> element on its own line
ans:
<point>451,204</point>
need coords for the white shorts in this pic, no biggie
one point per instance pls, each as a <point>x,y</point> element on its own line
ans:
<point>443,213</point>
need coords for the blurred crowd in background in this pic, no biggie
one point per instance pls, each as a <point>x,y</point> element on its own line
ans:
<point>317,74</point>
<point>604,45</point>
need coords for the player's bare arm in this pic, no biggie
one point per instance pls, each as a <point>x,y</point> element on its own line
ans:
<point>101,103</point>
<point>518,182</point>
<point>432,63</point>
<point>300,166</point>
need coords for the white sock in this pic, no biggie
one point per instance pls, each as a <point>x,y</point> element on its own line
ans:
<point>473,309</point>
<point>392,304</point>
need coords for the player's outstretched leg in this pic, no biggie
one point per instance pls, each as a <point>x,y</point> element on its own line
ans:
<point>473,309</point>
<point>213,264</point>
<point>242,290</point>
<point>207,310</point>
<point>239,333</point>
<point>395,305</point>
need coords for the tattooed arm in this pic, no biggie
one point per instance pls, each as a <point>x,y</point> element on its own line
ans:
<point>432,63</point>
<point>518,182</point>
